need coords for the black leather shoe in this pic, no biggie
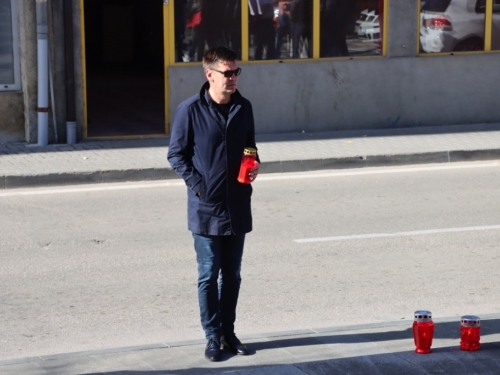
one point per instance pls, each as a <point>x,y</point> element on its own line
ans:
<point>212,350</point>
<point>234,345</point>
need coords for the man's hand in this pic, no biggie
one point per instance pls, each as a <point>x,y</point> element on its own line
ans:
<point>254,172</point>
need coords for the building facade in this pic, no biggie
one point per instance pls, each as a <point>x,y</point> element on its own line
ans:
<point>119,68</point>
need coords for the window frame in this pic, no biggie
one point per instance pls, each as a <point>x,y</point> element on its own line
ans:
<point>16,86</point>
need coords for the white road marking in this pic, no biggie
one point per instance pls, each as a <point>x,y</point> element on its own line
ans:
<point>397,234</point>
<point>261,178</point>
<point>373,171</point>
<point>87,189</point>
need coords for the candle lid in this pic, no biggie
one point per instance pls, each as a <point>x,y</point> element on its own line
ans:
<point>423,316</point>
<point>250,151</point>
<point>471,321</point>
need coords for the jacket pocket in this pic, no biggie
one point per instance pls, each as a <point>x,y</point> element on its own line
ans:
<point>203,189</point>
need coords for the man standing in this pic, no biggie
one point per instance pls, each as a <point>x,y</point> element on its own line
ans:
<point>210,131</point>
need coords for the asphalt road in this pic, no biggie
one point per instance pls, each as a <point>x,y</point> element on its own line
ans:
<point>95,267</point>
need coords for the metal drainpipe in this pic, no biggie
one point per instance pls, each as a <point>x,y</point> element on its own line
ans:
<point>43,72</point>
<point>70,72</point>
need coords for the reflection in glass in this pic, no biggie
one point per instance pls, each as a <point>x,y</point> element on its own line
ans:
<point>280,29</point>
<point>6,43</point>
<point>452,26</point>
<point>203,24</point>
<point>350,27</point>
<point>495,36</point>
<point>300,24</point>
<point>261,29</point>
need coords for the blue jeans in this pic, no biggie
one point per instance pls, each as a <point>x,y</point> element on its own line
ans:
<point>218,297</point>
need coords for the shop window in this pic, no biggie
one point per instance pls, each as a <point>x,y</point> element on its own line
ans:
<point>203,24</point>
<point>9,46</point>
<point>351,27</point>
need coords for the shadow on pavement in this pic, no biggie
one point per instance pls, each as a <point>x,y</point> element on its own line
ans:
<point>372,133</point>
<point>443,330</point>
<point>25,148</point>
<point>449,361</point>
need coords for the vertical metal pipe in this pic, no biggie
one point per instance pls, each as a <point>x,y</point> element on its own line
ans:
<point>70,72</point>
<point>43,72</point>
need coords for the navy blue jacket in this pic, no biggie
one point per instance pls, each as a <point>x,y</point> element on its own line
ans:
<point>205,151</point>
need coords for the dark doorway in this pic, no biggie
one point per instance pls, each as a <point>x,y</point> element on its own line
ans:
<point>125,67</point>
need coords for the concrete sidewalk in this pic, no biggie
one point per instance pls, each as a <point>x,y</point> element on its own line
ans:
<point>24,165</point>
<point>383,348</point>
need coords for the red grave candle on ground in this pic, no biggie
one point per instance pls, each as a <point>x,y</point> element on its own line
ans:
<point>470,332</point>
<point>423,331</point>
<point>247,162</point>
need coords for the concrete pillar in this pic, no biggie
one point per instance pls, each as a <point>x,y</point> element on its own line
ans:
<point>403,32</point>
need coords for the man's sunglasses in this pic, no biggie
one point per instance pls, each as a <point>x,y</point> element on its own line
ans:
<point>228,73</point>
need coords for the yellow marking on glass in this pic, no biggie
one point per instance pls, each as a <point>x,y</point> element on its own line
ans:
<point>385,31</point>
<point>316,29</point>
<point>245,35</point>
<point>488,25</point>
<point>169,55</point>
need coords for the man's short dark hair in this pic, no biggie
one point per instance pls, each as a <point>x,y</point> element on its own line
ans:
<point>218,54</point>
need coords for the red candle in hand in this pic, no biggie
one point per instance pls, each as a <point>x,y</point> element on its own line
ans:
<point>247,162</point>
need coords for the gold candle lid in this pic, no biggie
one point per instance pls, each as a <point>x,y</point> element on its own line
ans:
<point>249,151</point>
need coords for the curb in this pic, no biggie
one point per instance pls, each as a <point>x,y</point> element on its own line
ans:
<point>303,332</point>
<point>283,166</point>
<point>87,177</point>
